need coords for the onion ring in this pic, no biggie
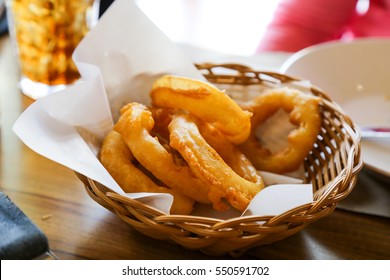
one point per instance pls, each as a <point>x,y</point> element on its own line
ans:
<point>135,125</point>
<point>304,112</point>
<point>204,101</point>
<point>119,162</point>
<point>207,164</point>
<point>229,152</point>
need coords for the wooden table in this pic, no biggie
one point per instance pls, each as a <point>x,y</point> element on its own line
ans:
<point>78,228</point>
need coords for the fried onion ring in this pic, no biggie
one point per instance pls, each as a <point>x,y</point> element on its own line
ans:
<point>204,101</point>
<point>207,164</point>
<point>119,162</point>
<point>304,113</point>
<point>135,125</point>
<point>229,152</point>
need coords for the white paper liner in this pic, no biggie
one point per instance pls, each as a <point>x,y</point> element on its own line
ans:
<point>118,61</point>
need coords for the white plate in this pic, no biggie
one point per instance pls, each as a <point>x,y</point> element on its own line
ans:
<point>357,76</point>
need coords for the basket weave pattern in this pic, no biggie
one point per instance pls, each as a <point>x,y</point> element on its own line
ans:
<point>332,167</point>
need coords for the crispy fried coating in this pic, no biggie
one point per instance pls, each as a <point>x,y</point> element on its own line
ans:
<point>135,125</point>
<point>207,164</point>
<point>121,164</point>
<point>204,101</point>
<point>229,152</point>
<point>304,113</point>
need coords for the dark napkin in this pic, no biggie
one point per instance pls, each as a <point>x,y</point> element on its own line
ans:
<point>3,24</point>
<point>371,195</point>
<point>104,5</point>
<point>20,239</point>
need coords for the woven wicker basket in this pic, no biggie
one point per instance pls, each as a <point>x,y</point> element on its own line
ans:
<point>331,167</point>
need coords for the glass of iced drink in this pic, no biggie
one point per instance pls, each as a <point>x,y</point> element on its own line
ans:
<point>45,34</point>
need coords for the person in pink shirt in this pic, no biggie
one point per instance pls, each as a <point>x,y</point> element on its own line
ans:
<point>301,23</point>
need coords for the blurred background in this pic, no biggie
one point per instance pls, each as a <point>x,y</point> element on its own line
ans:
<point>228,26</point>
